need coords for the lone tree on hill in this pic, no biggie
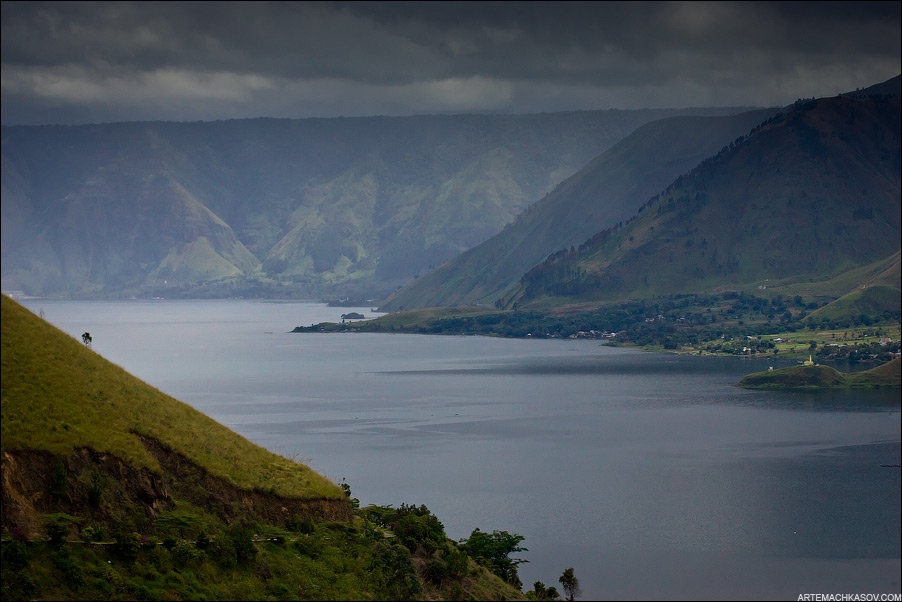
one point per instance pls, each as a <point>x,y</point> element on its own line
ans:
<point>570,585</point>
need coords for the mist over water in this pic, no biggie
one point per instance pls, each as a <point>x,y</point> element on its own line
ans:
<point>650,474</point>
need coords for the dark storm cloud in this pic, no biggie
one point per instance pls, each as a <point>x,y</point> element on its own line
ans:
<point>83,61</point>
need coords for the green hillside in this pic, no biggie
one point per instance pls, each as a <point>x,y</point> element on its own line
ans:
<point>885,272</point>
<point>806,197</point>
<point>113,490</point>
<point>607,191</point>
<point>817,377</point>
<point>59,396</point>
<point>870,301</point>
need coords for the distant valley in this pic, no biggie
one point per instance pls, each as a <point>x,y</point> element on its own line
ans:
<point>278,208</point>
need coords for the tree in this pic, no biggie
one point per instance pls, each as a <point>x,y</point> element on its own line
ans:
<point>347,489</point>
<point>570,584</point>
<point>493,550</point>
<point>396,572</point>
<point>243,540</point>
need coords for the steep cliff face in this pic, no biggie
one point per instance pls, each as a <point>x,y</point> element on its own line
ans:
<point>104,490</point>
<point>188,481</point>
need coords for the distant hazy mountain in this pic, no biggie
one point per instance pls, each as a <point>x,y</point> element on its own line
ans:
<point>609,190</point>
<point>277,207</point>
<point>806,197</point>
<point>891,88</point>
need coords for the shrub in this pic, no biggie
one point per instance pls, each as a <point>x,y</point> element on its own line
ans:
<point>417,526</point>
<point>436,571</point>
<point>309,546</point>
<point>458,563</point>
<point>95,492</point>
<point>128,545</point>
<point>186,554</point>
<point>72,572</point>
<point>493,551</point>
<point>58,526</point>
<point>19,586</point>
<point>304,525</point>
<point>203,541</point>
<point>15,555</point>
<point>458,592</point>
<point>400,576</point>
<point>222,550</point>
<point>243,540</point>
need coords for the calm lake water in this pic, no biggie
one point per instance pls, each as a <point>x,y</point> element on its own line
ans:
<point>650,474</point>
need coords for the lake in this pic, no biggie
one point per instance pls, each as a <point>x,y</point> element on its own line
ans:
<point>651,475</point>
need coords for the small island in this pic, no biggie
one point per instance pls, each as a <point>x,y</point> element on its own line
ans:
<point>812,376</point>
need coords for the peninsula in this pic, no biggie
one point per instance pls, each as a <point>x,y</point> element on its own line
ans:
<point>812,376</point>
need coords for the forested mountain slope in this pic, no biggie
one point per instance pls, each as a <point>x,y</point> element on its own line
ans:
<point>608,191</point>
<point>806,197</point>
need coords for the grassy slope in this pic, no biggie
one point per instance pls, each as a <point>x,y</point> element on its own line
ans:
<point>872,301</point>
<point>59,395</point>
<point>753,216</point>
<point>825,377</point>
<point>608,190</point>
<point>885,272</point>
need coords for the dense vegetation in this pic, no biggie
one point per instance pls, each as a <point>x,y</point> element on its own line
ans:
<point>385,553</point>
<point>732,323</point>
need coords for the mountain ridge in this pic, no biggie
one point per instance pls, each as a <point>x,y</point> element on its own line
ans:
<point>809,195</point>
<point>607,191</point>
<point>300,208</point>
<point>478,276</point>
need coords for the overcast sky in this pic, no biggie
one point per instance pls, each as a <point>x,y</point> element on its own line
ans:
<point>90,62</point>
